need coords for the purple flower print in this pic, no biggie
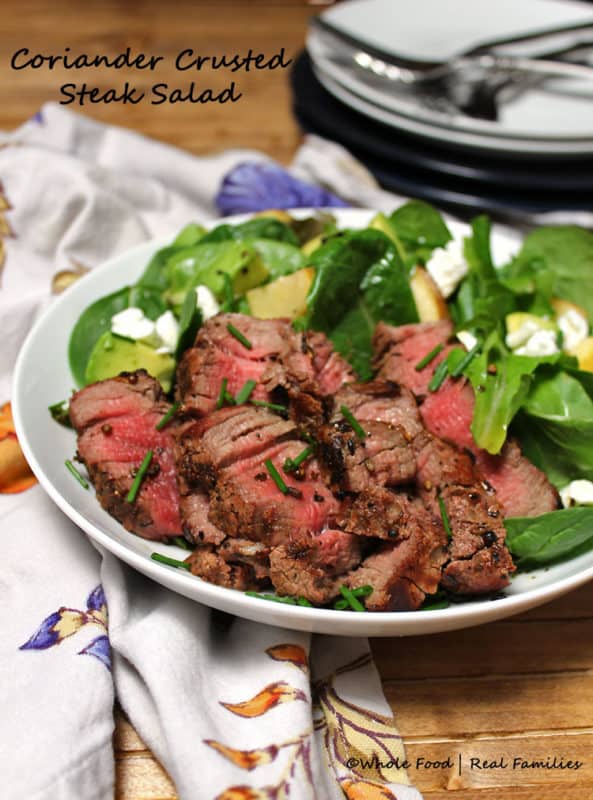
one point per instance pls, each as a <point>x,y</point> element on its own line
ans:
<point>256,186</point>
<point>99,648</point>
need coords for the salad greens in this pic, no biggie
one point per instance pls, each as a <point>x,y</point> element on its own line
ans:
<point>342,282</point>
<point>360,279</point>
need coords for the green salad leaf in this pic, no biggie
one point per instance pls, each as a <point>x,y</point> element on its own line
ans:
<point>559,259</point>
<point>557,534</point>
<point>419,225</point>
<point>359,280</point>
<point>279,258</point>
<point>96,320</point>
<point>556,427</point>
<point>257,228</point>
<point>501,381</point>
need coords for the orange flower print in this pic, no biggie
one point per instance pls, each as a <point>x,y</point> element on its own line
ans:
<point>365,790</point>
<point>293,653</point>
<point>15,474</point>
<point>271,696</point>
<point>246,759</point>
<point>248,793</point>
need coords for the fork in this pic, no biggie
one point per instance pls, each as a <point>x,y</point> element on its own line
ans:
<point>439,83</point>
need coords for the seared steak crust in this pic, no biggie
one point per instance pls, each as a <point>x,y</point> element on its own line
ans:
<point>115,421</point>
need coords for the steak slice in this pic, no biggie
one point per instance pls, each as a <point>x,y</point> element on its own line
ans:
<point>224,455</point>
<point>218,355</point>
<point>399,349</point>
<point>115,421</point>
<point>210,564</point>
<point>480,561</point>
<point>384,456</point>
<point>522,489</point>
<point>403,571</point>
<point>314,569</point>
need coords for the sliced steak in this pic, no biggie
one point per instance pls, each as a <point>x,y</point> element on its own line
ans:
<point>210,564</point>
<point>480,561</point>
<point>314,569</point>
<point>115,420</point>
<point>522,489</point>
<point>218,355</point>
<point>399,349</point>
<point>403,571</point>
<point>384,456</point>
<point>224,456</point>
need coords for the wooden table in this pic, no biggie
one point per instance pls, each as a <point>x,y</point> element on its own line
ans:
<point>523,687</point>
<point>518,688</point>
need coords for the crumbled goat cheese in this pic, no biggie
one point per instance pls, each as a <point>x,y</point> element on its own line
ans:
<point>467,339</point>
<point>541,343</point>
<point>167,329</point>
<point>133,324</point>
<point>523,334</point>
<point>574,327</point>
<point>206,302</point>
<point>577,493</point>
<point>447,266</point>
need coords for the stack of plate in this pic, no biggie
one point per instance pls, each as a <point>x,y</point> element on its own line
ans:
<point>537,156</point>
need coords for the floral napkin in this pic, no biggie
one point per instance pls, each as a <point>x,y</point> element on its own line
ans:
<point>234,710</point>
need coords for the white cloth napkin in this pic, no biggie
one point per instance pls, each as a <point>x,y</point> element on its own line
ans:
<point>231,708</point>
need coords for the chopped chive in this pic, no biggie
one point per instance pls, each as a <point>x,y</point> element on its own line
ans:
<point>445,517</point>
<point>424,362</point>
<point>239,336</point>
<point>439,376</point>
<point>290,601</point>
<point>171,562</point>
<point>244,393</point>
<point>272,406</point>
<point>362,591</point>
<point>291,464</point>
<point>433,602</point>
<point>302,601</point>
<point>465,361</point>
<point>276,477</point>
<point>72,469</point>
<point>229,294</point>
<point>352,601</point>
<point>341,604</point>
<point>135,488</point>
<point>352,421</point>
<point>164,420</point>
<point>60,412</point>
<point>222,393</point>
<point>228,398</point>
<point>181,542</point>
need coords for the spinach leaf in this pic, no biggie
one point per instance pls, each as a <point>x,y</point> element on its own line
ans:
<point>565,253</point>
<point>550,536</point>
<point>556,427</point>
<point>189,235</point>
<point>190,320</point>
<point>258,228</point>
<point>419,225</point>
<point>482,301</point>
<point>207,263</point>
<point>359,280</point>
<point>279,258</point>
<point>96,320</point>
<point>501,382</point>
<point>155,276</point>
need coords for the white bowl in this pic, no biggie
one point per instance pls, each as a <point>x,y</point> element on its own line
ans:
<point>42,377</point>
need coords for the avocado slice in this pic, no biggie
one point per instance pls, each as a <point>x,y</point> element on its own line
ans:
<point>114,354</point>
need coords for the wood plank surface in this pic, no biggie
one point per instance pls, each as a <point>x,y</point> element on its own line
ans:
<point>521,687</point>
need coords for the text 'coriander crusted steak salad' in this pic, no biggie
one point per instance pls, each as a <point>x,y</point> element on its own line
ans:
<point>372,419</point>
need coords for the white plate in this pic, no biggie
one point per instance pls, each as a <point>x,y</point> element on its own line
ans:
<point>42,377</point>
<point>539,121</point>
